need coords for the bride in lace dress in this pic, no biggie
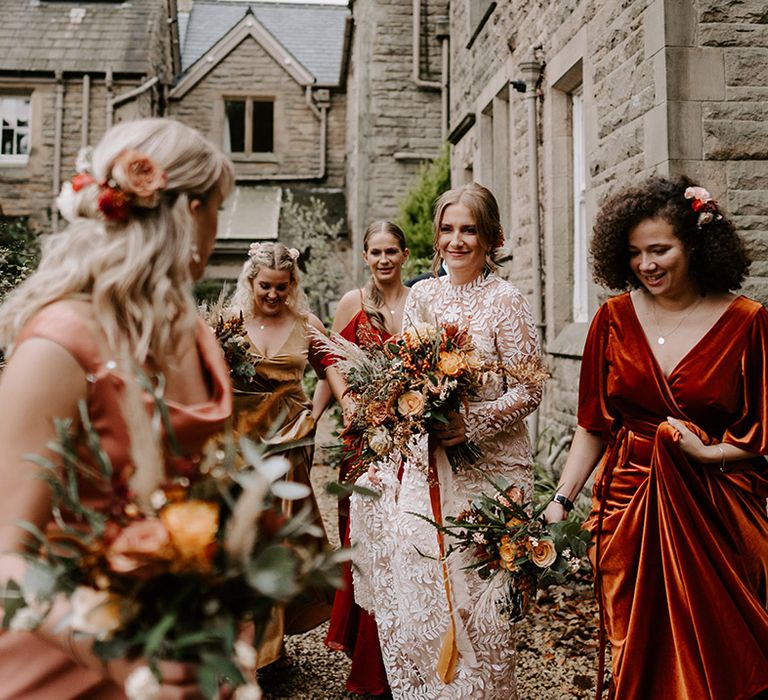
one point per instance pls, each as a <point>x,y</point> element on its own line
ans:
<point>394,579</point>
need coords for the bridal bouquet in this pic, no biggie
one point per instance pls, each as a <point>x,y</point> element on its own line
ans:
<point>185,568</point>
<point>508,544</point>
<point>410,385</point>
<point>405,387</point>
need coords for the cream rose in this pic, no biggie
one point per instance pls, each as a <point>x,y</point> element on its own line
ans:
<point>544,554</point>
<point>410,404</point>
<point>98,613</point>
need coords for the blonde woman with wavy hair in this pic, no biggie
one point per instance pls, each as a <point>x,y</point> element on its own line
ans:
<point>111,296</point>
<point>272,408</point>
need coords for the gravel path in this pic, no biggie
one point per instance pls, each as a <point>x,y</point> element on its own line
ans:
<point>557,645</point>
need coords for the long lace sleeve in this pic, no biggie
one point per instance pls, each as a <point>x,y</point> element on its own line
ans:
<point>416,309</point>
<point>517,347</point>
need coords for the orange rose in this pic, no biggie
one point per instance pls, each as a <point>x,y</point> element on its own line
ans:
<point>544,553</point>
<point>515,495</point>
<point>136,173</point>
<point>193,526</point>
<point>508,553</point>
<point>140,548</point>
<point>377,412</point>
<point>410,404</point>
<point>451,363</point>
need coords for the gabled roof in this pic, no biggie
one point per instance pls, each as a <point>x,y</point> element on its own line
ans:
<point>313,34</point>
<point>247,27</point>
<point>41,35</point>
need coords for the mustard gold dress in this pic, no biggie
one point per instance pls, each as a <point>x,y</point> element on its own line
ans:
<point>273,409</point>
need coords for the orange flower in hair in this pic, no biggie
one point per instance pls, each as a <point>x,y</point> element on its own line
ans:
<point>137,174</point>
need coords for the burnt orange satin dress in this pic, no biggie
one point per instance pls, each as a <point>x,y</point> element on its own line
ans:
<point>31,669</point>
<point>680,548</point>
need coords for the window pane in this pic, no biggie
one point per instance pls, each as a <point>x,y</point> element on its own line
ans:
<point>263,127</point>
<point>22,144</point>
<point>235,110</point>
<point>15,113</point>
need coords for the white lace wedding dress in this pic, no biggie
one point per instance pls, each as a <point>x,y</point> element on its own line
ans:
<point>402,588</point>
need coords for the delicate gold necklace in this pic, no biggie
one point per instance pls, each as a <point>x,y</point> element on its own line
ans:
<point>662,337</point>
<point>397,302</point>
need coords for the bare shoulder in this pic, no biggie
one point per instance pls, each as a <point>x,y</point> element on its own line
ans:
<point>349,305</point>
<point>314,322</point>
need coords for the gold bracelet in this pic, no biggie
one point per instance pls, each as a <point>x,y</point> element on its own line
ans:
<point>722,454</point>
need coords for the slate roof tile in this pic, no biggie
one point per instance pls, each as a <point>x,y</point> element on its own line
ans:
<point>314,34</point>
<point>38,35</point>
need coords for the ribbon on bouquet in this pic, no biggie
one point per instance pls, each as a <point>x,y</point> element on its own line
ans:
<point>456,640</point>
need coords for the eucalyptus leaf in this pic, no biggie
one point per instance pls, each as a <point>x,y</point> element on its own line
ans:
<point>290,490</point>
<point>273,572</point>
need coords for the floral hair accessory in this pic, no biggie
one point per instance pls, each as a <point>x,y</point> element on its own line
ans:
<point>500,239</point>
<point>703,204</point>
<point>253,250</point>
<point>67,202</point>
<point>136,182</point>
<point>138,176</point>
<point>294,254</point>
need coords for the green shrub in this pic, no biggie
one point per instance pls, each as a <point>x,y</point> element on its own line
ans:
<point>19,253</point>
<point>307,227</point>
<point>417,211</point>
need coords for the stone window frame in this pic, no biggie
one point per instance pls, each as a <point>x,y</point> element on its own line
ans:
<point>250,156</point>
<point>492,166</point>
<point>568,71</point>
<point>19,159</point>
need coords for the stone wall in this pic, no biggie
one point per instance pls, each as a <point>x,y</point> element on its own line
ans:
<point>393,124</point>
<point>250,71</point>
<point>27,190</point>
<point>668,87</point>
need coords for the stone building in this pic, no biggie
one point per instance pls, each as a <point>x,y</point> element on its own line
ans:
<point>266,82</point>
<point>68,70</point>
<point>397,98</point>
<point>555,104</point>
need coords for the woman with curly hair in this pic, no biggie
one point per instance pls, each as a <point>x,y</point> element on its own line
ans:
<point>272,408</point>
<point>673,406</point>
<point>112,294</point>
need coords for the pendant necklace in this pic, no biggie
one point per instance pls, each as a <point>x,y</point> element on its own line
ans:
<point>397,302</point>
<point>662,337</point>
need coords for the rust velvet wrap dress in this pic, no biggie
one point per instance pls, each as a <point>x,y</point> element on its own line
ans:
<point>30,668</point>
<point>680,548</point>
<point>352,629</point>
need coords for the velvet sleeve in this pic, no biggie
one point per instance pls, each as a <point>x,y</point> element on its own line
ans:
<point>750,430</point>
<point>593,413</point>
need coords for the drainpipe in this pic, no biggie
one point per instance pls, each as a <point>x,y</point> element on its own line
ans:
<point>443,35</point>
<point>110,94</point>
<point>114,102</point>
<point>86,110</point>
<point>430,84</point>
<point>58,128</point>
<point>531,71</point>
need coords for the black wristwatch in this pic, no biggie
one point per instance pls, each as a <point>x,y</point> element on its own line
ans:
<point>564,501</point>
